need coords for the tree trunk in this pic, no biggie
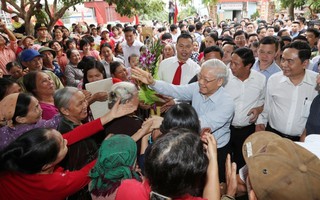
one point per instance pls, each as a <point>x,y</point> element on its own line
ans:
<point>291,10</point>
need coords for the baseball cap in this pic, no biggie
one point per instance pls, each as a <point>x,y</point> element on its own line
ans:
<point>280,169</point>
<point>29,54</point>
<point>43,49</point>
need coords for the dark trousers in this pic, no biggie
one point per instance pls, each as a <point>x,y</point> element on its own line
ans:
<point>222,157</point>
<point>238,136</point>
<point>171,17</point>
<point>293,138</point>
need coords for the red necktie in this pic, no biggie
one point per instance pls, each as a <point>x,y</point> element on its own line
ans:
<point>177,76</point>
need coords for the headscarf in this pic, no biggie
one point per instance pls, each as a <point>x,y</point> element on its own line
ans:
<point>8,108</point>
<point>115,161</point>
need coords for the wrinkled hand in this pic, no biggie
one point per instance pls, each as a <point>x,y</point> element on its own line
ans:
<point>231,176</point>
<point>141,75</point>
<point>260,127</point>
<point>87,94</point>
<point>100,96</point>
<point>156,121</point>
<point>165,107</point>
<point>119,110</point>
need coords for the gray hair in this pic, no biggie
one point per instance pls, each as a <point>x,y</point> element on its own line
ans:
<point>221,70</point>
<point>62,97</point>
<point>123,90</point>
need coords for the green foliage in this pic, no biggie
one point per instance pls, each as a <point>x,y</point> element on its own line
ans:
<point>135,7</point>
<point>189,11</point>
<point>255,15</point>
<point>296,3</point>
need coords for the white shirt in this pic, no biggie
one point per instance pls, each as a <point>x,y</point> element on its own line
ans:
<point>246,94</point>
<point>129,50</point>
<point>287,106</point>
<point>312,144</point>
<point>168,67</point>
<point>106,65</point>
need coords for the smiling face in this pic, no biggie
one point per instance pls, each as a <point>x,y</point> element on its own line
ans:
<point>209,41</point>
<point>34,113</point>
<point>291,64</point>
<point>184,49</point>
<point>121,73</point>
<point>44,84</point>
<point>208,81</point>
<point>77,108</point>
<point>75,57</point>
<point>56,46</point>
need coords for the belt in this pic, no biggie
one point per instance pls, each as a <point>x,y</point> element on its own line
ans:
<point>242,127</point>
<point>290,137</point>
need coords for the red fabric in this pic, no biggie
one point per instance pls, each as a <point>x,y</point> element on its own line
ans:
<point>116,80</point>
<point>175,19</point>
<point>177,76</point>
<point>135,190</point>
<point>55,186</point>
<point>201,55</point>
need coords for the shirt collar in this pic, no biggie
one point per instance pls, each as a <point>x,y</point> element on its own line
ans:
<point>306,79</point>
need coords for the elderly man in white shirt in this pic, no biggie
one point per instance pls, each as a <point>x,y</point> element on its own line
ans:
<point>289,94</point>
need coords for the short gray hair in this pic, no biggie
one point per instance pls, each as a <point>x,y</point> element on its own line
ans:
<point>62,97</point>
<point>221,69</point>
<point>123,90</point>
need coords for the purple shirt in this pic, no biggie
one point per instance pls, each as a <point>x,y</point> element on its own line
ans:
<point>9,134</point>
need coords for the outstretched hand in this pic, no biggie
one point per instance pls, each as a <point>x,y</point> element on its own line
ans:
<point>119,110</point>
<point>141,75</point>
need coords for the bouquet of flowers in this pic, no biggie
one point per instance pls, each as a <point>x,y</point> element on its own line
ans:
<point>149,57</point>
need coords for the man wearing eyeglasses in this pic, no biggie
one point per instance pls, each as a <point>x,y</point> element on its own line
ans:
<point>213,104</point>
<point>289,94</point>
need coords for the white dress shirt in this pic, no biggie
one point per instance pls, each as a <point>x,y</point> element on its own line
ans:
<point>168,67</point>
<point>287,106</point>
<point>129,50</point>
<point>246,94</point>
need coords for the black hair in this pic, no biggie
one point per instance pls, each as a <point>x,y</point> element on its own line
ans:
<point>173,27</point>
<point>270,40</point>
<point>116,51</point>
<point>29,152</point>
<point>5,85</point>
<point>240,32</point>
<point>166,36</point>
<point>303,48</point>
<point>129,29</point>
<point>114,65</point>
<point>68,42</point>
<point>286,38</point>
<point>199,26</point>
<point>260,28</point>
<point>30,81</point>
<point>181,115</point>
<point>300,37</point>
<point>315,32</point>
<point>246,56</point>
<point>185,36</point>
<point>214,36</point>
<point>252,35</point>
<point>281,31</point>
<point>69,52</point>
<point>105,45</point>
<point>9,65</point>
<point>176,164</point>
<point>83,42</point>
<point>191,28</point>
<point>22,106</point>
<point>213,49</point>
<point>87,63</point>
<point>54,41</point>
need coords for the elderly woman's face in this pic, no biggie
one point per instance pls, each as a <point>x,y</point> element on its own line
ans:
<point>77,109</point>
<point>34,112</point>
<point>44,84</point>
<point>75,57</point>
<point>121,73</point>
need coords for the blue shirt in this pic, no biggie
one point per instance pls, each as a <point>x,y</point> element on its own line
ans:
<point>272,69</point>
<point>215,112</point>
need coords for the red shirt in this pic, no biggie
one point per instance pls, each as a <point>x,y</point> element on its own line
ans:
<point>135,190</point>
<point>56,186</point>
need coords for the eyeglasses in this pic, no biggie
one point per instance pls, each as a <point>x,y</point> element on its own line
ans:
<point>204,79</point>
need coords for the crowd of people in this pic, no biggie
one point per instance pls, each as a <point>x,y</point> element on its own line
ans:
<point>239,111</point>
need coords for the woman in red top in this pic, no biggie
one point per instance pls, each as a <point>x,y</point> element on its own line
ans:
<point>28,166</point>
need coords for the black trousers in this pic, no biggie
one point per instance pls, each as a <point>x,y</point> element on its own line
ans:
<point>171,17</point>
<point>238,136</point>
<point>293,138</point>
<point>222,157</point>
